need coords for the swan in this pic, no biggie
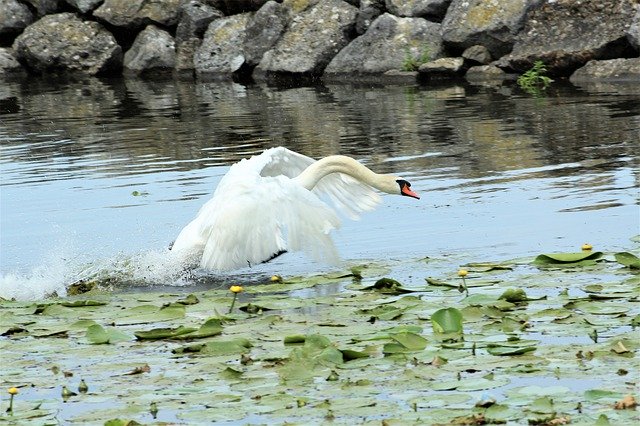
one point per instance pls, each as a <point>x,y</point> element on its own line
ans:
<point>275,202</point>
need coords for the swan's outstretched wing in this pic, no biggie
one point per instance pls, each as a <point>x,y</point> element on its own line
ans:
<point>251,221</point>
<point>347,194</point>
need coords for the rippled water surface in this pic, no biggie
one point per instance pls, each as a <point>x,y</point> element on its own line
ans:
<point>100,176</point>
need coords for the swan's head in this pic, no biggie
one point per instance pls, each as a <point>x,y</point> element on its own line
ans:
<point>405,188</point>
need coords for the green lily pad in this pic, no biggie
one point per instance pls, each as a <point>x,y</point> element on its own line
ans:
<point>500,350</point>
<point>388,286</point>
<point>163,333</point>
<point>82,303</point>
<point>447,321</point>
<point>97,335</point>
<point>627,259</point>
<point>567,258</point>
<point>410,341</point>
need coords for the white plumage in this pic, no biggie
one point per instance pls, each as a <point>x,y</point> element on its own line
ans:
<point>277,201</point>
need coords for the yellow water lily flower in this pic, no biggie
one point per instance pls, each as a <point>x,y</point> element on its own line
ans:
<point>463,273</point>
<point>13,391</point>
<point>587,247</point>
<point>236,289</point>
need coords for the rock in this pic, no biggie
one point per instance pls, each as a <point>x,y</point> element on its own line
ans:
<point>222,50</point>
<point>477,54</point>
<point>194,18</point>
<point>482,73</point>
<point>63,42</point>
<point>14,17</point>
<point>609,70</point>
<point>138,13</point>
<point>434,9</point>
<point>263,31</point>
<point>45,7</point>
<point>400,77</point>
<point>313,38</point>
<point>234,7</point>
<point>443,67</point>
<point>633,33</point>
<point>185,51</point>
<point>152,50</point>
<point>565,35</point>
<point>490,23</point>
<point>8,62</point>
<point>386,46</point>
<point>369,11</point>
<point>84,6</point>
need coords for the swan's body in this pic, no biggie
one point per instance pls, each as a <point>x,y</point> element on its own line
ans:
<point>272,203</point>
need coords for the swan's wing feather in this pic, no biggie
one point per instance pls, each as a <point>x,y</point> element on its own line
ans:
<point>348,195</point>
<point>253,222</point>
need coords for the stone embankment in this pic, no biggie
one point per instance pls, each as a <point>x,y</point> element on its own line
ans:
<point>405,40</point>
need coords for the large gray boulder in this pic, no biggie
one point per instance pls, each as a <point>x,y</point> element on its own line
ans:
<point>565,35</point>
<point>84,6</point>
<point>313,38</point>
<point>490,23</point>
<point>386,45</point>
<point>264,29</point>
<point>153,50</point>
<point>138,13</point>
<point>14,17</point>
<point>8,62</point>
<point>609,70</point>
<point>45,7</point>
<point>222,50</point>
<point>194,18</point>
<point>63,42</point>
<point>633,33</point>
<point>435,9</point>
<point>368,12</point>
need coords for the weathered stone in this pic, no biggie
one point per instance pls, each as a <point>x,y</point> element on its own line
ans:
<point>138,13</point>
<point>478,54</point>
<point>152,50</point>
<point>424,8</point>
<point>264,29</point>
<point>63,42</point>
<point>194,17</point>
<point>387,45</point>
<point>565,35</point>
<point>633,33</point>
<point>491,23</point>
<point>369,11</point>
<point>443,67</point>
<point>84,6</point>
<point>45,7</point>
<point>14,17</point>
<point>185,52</point>
<point>222,50</point>
<point>8,62</point>
<point>483,73</point>
<point>609,70</point>
<point>313,38</point>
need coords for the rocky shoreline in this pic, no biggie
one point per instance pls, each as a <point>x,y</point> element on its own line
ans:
<point>400,40</point>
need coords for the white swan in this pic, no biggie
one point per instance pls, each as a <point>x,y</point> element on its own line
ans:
<point>272,203</point>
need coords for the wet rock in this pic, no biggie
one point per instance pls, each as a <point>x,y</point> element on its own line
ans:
<point>565,35</point>
<point>400,77</point>
<point>138,13</point>
<point>313,38</point>
<point>14,17</point>
<point>609,70</point>
<point>482,73</point>
<point>477,54</point>
<point>194,17</point>
<point>152,50</point>
<point>490,23</point>
<point>222,50</point>
<point>386,46</point>
<point>435,9</point>
<point>84,6</point>
<point>442,68</point>
<point>264,29</point>
<point>369,11</point>
<point>63,42</point>
<point>185,51</point>
<point>8,62</point>
<point>633,33</point>
<point>45,7</point>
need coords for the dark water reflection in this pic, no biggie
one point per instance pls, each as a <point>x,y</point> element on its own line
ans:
<point>502,173</point>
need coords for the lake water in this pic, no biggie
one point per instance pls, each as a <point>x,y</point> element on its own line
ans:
<point>99,176</point>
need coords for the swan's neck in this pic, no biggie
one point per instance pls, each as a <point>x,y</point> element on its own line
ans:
<point>310,177</point>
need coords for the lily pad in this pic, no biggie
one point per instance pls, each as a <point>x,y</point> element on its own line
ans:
<point>163,333</point>
<point>567,258</point>
<point>447,321</point>
<point>627,259</point>
<point>97,335</point>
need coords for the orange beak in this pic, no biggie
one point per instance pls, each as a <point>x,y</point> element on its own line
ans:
<point>408,192</point>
